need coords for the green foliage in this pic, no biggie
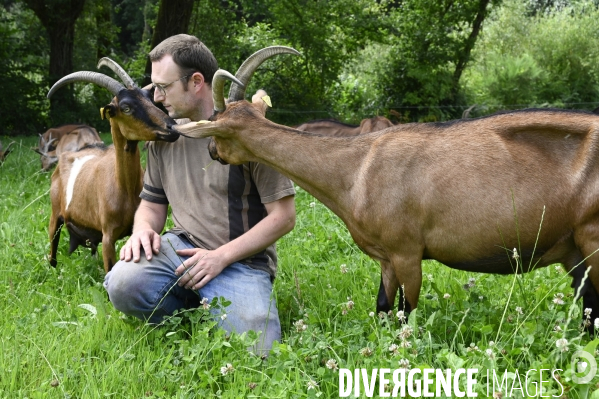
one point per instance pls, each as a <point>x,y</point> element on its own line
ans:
<point>23,66</point>
<point>61,337</point>
<point>546,59</point>
<point>327,34</point>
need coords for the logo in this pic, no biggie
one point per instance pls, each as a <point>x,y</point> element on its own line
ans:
<point>584,367</point>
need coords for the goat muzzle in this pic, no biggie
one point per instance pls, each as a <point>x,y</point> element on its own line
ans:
<point>214,152</point>
<point>170,136</point>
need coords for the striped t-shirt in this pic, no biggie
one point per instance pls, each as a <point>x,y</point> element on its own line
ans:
<point>212,204</point>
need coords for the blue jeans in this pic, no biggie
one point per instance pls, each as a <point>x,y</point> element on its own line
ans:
<point>148,290</point>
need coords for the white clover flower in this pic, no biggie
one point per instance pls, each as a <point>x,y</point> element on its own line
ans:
<point>405,344</point>
<point>300,325</point>
<point>312,384</point>
<point>205,303</point>
<point>343,268</point>
<point>393,348</point>
<point>557,328</point>
<point>491,343</point>
<point>490,354</point>
<point>312,204</point>
<point>350,303</point>
<point>558,298</point>
<point>371,314</point>
<point>401,316</point>
<point>562,344</point>
<point>446,296</point>
<point>404,363</point>
<point>332,364</point>
<point>227,369</point>
<point>497,395</point>
<point>406,332</point>
<point>597,323</point>
<point>472,348</point>
<point>223,316</point>
<point>366,352</point>
<point>519,310</point>
<point>587,312</point>
<point>515,254</point>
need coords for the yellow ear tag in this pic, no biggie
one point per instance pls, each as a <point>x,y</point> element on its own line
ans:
<point>102,113</point>
<point>266,99</point>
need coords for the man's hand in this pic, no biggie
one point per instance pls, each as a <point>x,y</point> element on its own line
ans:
<point>199,269</point>
<point>148,239</point>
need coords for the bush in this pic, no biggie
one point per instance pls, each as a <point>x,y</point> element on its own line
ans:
<point>543,59</point>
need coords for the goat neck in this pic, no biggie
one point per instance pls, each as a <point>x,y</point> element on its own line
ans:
<point>128,170</point>
<point>243,134</point>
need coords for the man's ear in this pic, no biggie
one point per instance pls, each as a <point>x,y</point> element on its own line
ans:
<point>198,80</point>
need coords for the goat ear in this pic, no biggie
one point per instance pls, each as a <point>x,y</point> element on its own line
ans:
<point>107,109</point>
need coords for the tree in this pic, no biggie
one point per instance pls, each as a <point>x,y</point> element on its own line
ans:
<point>23,66</point>
<point>430,47</point>
<point>58,18</point>
<point>173,18</point>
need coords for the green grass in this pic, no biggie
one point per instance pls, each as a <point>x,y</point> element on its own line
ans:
<point>61,338</point>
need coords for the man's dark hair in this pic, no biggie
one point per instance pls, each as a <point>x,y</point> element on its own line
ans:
<point>189,53</point>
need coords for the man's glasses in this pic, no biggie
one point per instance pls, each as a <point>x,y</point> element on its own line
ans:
<point>162,87</point>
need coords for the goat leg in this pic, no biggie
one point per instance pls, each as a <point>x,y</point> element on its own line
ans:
<point>108,251</point>
<point>407,278</point>
<point>387,289</point>
<point>56,223</point>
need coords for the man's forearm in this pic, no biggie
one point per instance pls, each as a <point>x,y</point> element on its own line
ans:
<point>150,216</point>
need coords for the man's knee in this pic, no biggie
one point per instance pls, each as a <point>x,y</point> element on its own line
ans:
<point>121,286</point>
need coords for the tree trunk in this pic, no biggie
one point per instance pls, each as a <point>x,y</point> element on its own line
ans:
<point>173,18</point>
<point>58,18</point>
<point>464,56</point>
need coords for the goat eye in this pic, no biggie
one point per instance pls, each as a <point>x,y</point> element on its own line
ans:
<point>125,108</point>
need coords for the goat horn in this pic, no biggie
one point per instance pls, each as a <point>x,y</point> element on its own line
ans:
<point>249,66</point>
<point>110,84</point>
<point>218,88</point>
<point>116,68</point>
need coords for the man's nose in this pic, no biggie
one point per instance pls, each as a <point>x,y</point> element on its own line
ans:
<point>158,97</point>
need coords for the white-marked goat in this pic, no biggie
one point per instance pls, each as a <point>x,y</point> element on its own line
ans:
<point>95,191</point>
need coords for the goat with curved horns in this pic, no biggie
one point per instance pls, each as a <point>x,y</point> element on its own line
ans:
<point>462,192</point>
<point>95,191</point>
<point>71,138</point>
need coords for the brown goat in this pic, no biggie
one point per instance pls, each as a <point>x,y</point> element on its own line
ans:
<point>332,127</point>
<point>49,139</point>
<point>4,153</point>
<point>76,139</point>
<point>95,191</point>
<point>463,192</point>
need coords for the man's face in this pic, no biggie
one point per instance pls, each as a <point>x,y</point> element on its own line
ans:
<point>170,89</point>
